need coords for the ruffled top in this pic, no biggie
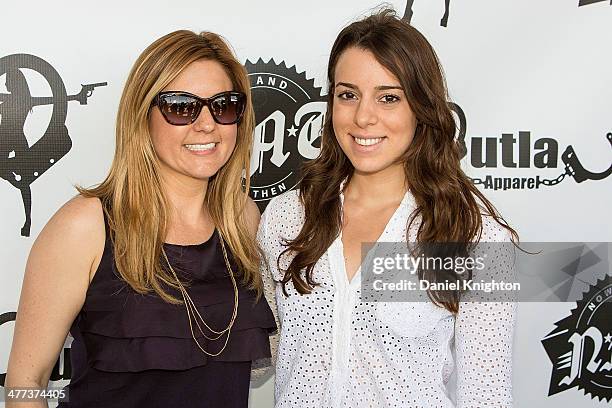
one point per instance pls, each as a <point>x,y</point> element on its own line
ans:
<point>121,331</point>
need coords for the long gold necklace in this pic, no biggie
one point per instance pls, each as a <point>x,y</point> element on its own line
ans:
<point>193,313</point>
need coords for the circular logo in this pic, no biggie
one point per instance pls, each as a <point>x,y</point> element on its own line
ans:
<point>289,114</point>
<point>580,348</point>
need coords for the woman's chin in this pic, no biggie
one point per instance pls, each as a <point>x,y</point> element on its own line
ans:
<point>370,167</point>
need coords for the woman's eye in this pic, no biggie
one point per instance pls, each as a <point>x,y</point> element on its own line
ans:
<point>389,98</point>
<point>346,95</point>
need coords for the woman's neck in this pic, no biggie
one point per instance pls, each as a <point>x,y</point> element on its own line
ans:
<point>186,198</point>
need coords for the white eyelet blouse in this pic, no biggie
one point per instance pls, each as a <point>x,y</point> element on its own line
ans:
<point>336,351</point>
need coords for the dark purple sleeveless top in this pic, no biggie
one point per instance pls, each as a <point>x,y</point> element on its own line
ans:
<point>133,350</point>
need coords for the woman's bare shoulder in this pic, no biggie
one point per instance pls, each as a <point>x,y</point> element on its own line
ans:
<point>77,228</point>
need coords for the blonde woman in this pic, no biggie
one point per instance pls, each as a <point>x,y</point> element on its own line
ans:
<point>155,271</point>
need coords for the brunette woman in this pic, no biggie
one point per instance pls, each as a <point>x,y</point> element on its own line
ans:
<point>388,171</point>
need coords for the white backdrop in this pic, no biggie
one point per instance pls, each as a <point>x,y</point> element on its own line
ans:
<point>534,66</point>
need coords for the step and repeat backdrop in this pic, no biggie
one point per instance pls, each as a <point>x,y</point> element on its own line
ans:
<point>531,83</point>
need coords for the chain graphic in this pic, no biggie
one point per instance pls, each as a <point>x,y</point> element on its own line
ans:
<point>573,168</point>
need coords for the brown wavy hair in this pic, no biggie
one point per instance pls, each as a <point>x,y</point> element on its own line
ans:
<point>132,194</point>
<point>447,202</point>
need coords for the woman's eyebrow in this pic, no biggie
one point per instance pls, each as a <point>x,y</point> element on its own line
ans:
<point>347,85</point>
<point>387,87</point>
<point>378,88</point>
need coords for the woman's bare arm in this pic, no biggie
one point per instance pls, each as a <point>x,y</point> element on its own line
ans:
<point>61,263</point>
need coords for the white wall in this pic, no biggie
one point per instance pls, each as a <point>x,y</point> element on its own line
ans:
<point>539,66</point>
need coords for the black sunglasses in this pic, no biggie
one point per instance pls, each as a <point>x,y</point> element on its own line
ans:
<point>183,108</point>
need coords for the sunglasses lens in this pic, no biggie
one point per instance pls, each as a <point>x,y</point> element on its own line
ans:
<point>179,109</point>
<point>227,108</point>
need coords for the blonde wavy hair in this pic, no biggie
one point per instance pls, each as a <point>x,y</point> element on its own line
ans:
<point>132,196</point>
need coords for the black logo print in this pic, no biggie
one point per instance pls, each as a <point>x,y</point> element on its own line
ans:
<point>580,348</point>
<point>574,168</point>
<point>20,163</point>
<point>5,318</point>
<point>408,13</point>
<point>289,112</point>
<point>587,2</point>
<point>542,153</point>
<point>484,151</point>
<point>62,370</point>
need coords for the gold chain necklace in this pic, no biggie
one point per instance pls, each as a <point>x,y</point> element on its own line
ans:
<point>193,313</point>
